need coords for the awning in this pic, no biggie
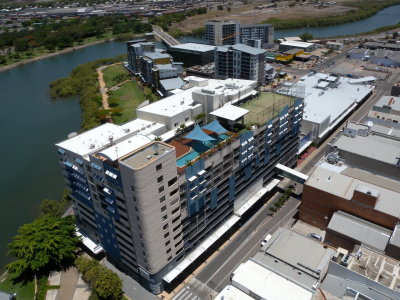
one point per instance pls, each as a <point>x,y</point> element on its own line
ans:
<point>199,135</point>
<point>215,126</point>
<point>229,112</point>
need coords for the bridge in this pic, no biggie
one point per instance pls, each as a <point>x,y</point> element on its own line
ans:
<point>291,174</point>
<point>165,37</point>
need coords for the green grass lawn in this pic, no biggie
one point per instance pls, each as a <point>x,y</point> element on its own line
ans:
<point>128,97</point>
<point>114,75</point>
<point>24,291</point>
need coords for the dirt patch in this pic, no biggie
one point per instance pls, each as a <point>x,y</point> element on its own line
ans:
<point>247,14</point>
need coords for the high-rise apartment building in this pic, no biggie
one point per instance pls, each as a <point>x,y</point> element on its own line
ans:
<point>260,32</point>
<point>222,32</point>
<point>231,32</point>
<point>240,61</point>
<point>155,202</point>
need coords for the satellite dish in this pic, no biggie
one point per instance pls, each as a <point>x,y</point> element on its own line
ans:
<point>369,123</point>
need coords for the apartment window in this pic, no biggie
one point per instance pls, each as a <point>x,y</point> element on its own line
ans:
<point>166,235</point>
<point>164,208</point>
<point>172,181</point>
<point>168,251</point>
<point>177,236</point>
<point>165,227</point>
<point>186,119</point>
<point>160,179</point>
<point>175,210</point>
<point>169,258</point>
<point>159,167</point>
<point>162,199</point>
<point>176,124</point>
<point>167,243</point>
<point>174,201</point>
<point>164,217</point>
<point>173,192</point>
<point>176,219</point>
<point>161,189</point>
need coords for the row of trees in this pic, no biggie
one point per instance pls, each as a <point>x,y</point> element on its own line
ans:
<point>104,282</point>
<point>55,34</point>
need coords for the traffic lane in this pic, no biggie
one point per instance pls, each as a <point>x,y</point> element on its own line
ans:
<point>247,229</point>
<point>251,247</point>
<point>247,238</point>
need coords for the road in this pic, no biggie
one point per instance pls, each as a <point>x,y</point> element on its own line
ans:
<point>216,275</point>
<point>171,41</point>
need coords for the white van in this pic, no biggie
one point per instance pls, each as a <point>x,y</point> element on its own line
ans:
<point>265,240</point>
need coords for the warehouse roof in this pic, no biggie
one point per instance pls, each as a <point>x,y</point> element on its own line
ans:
<point>297,44</point>
<point>266,284</point>
<point>360,230</point>
<point>343,186</point>
<point>194,47</point>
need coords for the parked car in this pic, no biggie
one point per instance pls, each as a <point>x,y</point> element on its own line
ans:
<point>265,240</point>
<point>315,236</point>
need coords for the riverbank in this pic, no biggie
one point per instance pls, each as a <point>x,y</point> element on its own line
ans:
<point>360,11</point>
<point>47,55</point>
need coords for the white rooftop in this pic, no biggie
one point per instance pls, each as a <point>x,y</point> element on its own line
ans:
<point>333,102</point>
<point>229,112</point>
<point>297,44</point>
<point>177,103</point>
<point>231,293</point>
<point>267,284</point>
<point>194,47</point>
<point>107,134</point>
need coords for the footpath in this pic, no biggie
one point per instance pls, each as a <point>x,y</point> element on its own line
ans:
<point>72,286</point>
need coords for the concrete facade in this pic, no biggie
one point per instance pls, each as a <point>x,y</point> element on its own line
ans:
<point>132,196</point>
<point>240,61</point>
<point>222,32</point>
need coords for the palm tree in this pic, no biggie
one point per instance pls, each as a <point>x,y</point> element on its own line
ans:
<point>199,117</point>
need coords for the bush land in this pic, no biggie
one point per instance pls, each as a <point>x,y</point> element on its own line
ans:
<point>362,10</point>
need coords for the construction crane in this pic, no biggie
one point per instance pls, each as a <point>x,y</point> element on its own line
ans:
<point>230,36</point>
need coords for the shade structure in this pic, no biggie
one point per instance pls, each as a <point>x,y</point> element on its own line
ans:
<point>199,135</point>
<point>215,126</point>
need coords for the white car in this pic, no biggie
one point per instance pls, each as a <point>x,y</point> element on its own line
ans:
<point>265,240</point>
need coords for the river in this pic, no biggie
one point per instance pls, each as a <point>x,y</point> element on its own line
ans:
<point>387,16</point>
<point>31,123</point>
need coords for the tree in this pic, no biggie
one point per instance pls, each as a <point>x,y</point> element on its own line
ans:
<point>220,7</point>
<point>52,207</point>
<point>44,245</point>
<point>104,282</point>
<point>199,117</point>
<point>395,34</point>
<point>306,36</point>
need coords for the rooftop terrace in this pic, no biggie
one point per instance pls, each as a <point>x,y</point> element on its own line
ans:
<point>265,107</point>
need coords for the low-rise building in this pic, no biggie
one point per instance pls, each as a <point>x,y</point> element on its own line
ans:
<point>152,65</point>
<point>360,177</point>
<point>329,100</point>
<point>192,54</point>
<point>386,112</point>
<point>288,45</point>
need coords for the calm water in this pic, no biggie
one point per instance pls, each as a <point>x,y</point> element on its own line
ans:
<point>30,124</point>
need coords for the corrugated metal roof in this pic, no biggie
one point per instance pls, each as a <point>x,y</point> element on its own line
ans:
<point>360,230</point>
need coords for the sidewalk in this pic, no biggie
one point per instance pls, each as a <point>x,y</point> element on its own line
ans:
<point>72,287</point>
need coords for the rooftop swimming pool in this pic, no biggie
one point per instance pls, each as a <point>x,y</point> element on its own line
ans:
<point>199,147</point>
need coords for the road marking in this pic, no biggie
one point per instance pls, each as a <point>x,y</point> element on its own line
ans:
<point>256,245</point>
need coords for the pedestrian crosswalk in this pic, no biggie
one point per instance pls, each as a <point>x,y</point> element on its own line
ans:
<point>186,294</point>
